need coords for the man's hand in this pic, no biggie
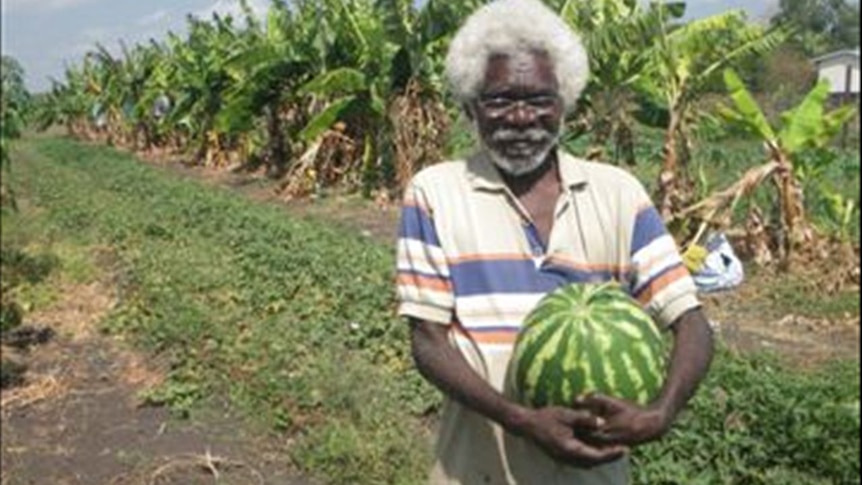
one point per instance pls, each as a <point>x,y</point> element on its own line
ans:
<point>629,424</point>
<point>556,430</point>
<point>624,423</point>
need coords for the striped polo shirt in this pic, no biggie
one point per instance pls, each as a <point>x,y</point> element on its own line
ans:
<point>469,256</point>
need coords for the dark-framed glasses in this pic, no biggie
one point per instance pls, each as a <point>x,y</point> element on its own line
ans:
<point>498,105</point>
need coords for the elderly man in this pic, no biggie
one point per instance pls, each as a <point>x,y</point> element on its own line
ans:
<point>483,239</point>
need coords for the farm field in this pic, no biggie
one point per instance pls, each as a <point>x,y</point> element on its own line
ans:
<point>198,231</point>
<point>256,339</point>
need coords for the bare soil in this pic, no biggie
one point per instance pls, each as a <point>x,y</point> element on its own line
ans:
<point>79,419</point>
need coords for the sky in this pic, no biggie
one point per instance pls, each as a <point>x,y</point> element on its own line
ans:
<point>45,35</point>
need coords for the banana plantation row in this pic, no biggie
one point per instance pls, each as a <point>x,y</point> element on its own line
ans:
<point>350,94</point>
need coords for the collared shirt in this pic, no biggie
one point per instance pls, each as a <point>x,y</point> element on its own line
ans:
<point>469,256</point>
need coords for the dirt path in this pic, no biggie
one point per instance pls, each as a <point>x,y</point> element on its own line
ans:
<point>79,418</point>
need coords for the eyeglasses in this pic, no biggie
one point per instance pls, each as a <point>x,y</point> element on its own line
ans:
<point>498,106</point>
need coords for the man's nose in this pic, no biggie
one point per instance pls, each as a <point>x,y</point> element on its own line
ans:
<point>521,113</point>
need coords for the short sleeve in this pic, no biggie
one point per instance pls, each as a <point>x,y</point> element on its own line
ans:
<point>424,285</point>
<point>660,280</point>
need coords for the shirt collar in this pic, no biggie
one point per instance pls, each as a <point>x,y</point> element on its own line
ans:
<point>484,176</point>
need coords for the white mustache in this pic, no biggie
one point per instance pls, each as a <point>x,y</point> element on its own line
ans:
<point>531,134</point>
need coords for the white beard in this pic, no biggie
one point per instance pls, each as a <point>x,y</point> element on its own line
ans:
<point>520,166</point>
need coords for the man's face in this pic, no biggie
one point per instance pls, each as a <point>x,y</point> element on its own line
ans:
<point>519,111</point>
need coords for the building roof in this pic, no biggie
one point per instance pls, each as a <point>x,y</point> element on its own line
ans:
<point>837,54</point>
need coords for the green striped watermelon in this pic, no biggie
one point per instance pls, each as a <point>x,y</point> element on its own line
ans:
<point>583,338</point>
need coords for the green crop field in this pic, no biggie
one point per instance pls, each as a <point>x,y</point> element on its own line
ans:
<point>293,323</point>
<point>289,319</point>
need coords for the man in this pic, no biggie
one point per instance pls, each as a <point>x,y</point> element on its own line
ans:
<point>482,240</point>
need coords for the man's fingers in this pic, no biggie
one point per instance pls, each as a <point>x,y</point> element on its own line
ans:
<point>581,419</point>
<point>598,403</point>
<point>605,436</point>
<point>584,454</point>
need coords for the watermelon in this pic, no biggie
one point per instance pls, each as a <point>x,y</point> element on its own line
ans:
<point>585,338</point>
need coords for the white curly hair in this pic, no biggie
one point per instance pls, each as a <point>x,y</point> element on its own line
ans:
<point>513,27</point>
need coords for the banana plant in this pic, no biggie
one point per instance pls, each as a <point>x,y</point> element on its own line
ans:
<point>417,115</point>
<point>619,36</point>
<point>15,102</point>
<point>136,67</point>
<point>267,70</point>
<point>14,98</point>
<point>421,35</point>
<point>66,104</point>
<point>155,90</point>
<point>201,80</point>
<point>356,83</point>
<point>806,127</point>
<point>684,62</point>
<point>385,82</point>
<point>104,85</point>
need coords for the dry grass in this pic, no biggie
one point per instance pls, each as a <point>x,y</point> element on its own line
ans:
<point>207,463</point>
<point>39,388</point>
<point>79,310</point>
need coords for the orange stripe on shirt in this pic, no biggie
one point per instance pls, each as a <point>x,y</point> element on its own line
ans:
<point>466,258</point>
<point>425,282</point>
<point>617,269</point>
<point>661,283</point>
<point>490,337</point>
<point>495,337</point>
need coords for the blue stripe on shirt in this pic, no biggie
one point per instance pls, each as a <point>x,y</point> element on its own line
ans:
<point>473,278</point>
<point>415,224</point>
<point>648,226</point>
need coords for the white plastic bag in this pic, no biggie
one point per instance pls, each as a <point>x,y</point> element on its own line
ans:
<point>721,269</point>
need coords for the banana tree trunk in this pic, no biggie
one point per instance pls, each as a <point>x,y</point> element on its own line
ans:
<point>601,132</point>
<point>277,150</point>
<point>793,228</point>
<point>625,144</point>
<point>667,178</point>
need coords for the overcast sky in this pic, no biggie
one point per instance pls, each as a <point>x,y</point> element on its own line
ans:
<point>43,35</point>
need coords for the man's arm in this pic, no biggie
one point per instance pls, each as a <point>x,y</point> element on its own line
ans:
<point>693,348</point>
<point>552,428</point>
<point>691,356</point>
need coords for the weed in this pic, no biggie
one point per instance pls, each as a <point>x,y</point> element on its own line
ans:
<point>753,422</point>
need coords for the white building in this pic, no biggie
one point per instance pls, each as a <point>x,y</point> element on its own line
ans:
<point>841,68</point>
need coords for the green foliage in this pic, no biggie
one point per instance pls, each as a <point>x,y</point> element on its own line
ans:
<point>335,82</point>
<point>753,422</point>
<point>294,322</point>
<point>803,137</point>
<point>747,115</point>
<point>14,98</point>
<point>20,269</point>
<point>808,126</point>
<point>246,302</point>
<point>14,108</point>
<point>820,25</point>
<point>799,297</point>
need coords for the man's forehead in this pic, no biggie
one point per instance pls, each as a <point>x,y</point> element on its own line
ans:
<point>533,65</point>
